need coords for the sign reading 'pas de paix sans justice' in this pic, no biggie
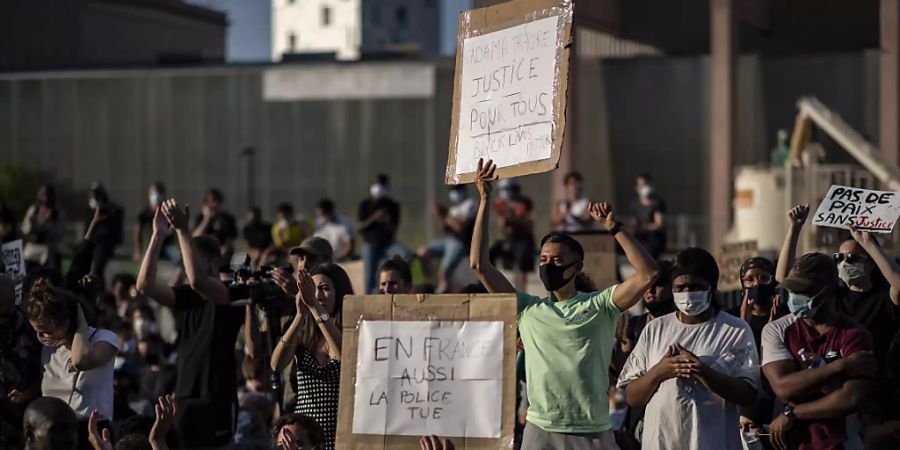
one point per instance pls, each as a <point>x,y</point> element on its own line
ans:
<point>867,210</point>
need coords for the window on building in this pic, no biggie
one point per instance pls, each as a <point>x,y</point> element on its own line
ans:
<point>326,16</point>
<point>375,13</point>
<point>292,42</point>
<point>401,16</point>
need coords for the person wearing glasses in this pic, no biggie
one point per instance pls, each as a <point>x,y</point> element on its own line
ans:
<point>869,294</point>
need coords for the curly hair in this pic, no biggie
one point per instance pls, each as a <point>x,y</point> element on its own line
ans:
<point>48,306</point>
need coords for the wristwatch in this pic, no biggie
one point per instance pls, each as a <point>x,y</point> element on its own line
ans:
<point>324,318</point>
<point>789,413</point>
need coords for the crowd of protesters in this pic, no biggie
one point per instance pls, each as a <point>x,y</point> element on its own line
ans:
<point>239,345</point>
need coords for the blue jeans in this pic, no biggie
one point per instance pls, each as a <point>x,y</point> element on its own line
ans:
<point>374,256</point>
<point>451,251</point>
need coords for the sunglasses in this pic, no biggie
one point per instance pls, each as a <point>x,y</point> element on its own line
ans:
<point>760,279</point>
<point>851,258</point>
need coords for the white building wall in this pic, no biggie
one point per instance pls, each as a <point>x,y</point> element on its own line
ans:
<point>304,20</point>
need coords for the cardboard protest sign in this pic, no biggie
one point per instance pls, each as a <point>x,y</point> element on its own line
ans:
<point>731,258</point>
<point>510,88</point>
<point>415,365</point>
<point>14,265</point>
<point>867,210</point>
<point>599,257</point>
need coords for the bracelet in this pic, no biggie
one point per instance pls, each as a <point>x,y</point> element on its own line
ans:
<point>616,229</point>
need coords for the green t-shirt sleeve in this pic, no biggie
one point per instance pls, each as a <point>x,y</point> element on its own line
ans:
<point>523,301</point>
<point>603,300</point>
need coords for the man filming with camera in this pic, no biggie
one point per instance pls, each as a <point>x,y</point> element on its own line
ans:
<point>207,330</point>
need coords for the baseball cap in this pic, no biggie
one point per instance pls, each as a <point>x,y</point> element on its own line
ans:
<point>315,246</point>
<point>811,273</point>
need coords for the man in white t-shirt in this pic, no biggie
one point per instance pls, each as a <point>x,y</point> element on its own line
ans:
<point>571,214</point>
<point>332,228</point>
<point>693,368</point>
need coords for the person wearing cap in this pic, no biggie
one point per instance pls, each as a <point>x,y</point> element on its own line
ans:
<point>758,295</point>
<point>869,294</point>
<point>457,220</point>
<point>517,249</point>
<point>759,306</point>
<point>678,369</point>
<point>568,335</point>
<point>310,254</point>
<point>817,360</point>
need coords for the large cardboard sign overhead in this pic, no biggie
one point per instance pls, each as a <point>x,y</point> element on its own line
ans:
<point>510,88</point>
<point>731,257</point>
<point>415,365</point>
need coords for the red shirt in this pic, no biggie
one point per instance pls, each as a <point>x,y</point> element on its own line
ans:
<point>784,339</point>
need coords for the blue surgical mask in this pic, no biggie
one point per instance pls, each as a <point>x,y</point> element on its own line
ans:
<point>801,306</point>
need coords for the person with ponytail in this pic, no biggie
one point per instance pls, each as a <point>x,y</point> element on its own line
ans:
<point>78,359</point>
<point>313,342</point>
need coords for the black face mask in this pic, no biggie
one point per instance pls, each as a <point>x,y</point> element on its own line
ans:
<point>660,308</point>
<point>762,294</point>
<point>553,276</point>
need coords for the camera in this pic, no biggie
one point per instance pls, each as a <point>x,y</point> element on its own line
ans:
<point>254,285</point>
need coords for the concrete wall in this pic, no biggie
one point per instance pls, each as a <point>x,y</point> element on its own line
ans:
<point>186,127</point>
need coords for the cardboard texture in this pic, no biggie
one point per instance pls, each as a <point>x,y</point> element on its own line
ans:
<point>481,307</point>
<point>482,21</point>
<point>731,257</point>
<point>599,257</point>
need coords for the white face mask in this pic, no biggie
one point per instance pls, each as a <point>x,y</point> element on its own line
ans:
<point>92,203</point>
<point>692,303</point>
<point>378,191</point>
<point>645,191</point>
<point>851,273</point>
<point>282,223</point>
<point>155,199</point>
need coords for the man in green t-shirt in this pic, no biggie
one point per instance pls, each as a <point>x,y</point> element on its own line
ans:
<point>568,337</point>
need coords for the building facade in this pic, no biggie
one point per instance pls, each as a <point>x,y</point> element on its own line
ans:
<point>316,26</point>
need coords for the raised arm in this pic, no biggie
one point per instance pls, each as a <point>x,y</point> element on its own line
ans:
<point>330,331</point>
<point>147,282</point>
<point>479,260</point>
<point>630,291</point>
<point>796,218</point>
<point>289,343</point>
<point>210,288</point>
<point>887,266</point>
<point>87,356</point>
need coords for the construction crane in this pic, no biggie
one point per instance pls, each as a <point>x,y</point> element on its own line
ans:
<point>868,155</point>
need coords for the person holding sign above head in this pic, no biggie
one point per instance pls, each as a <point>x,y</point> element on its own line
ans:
<point>864,296</point>
<point>568,335</point>
<point>313,343</point>
<point>693,369</point>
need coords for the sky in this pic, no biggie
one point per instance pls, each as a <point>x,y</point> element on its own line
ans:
<point>250,27</point>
